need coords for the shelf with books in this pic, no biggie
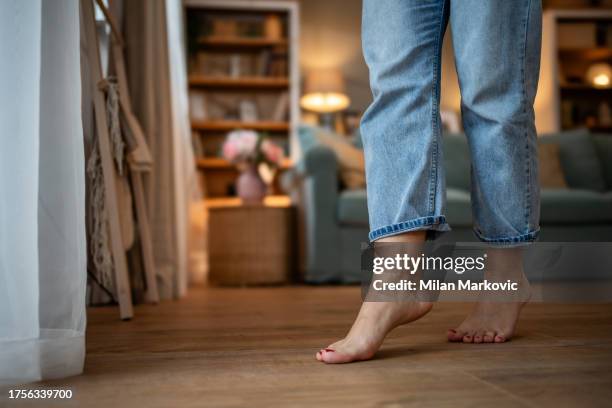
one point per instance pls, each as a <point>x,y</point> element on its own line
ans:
<point>239,83</point>
<point>242,74</point>
<point>241,42</point>
<point>576,44</point>
<point>229,125</point>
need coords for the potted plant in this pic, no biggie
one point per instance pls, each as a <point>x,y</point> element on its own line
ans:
<point>248,150</point>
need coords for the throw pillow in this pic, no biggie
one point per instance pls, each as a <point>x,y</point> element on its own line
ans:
<point>579,159</point>
<point>350,158</point>
<point>551,172</point>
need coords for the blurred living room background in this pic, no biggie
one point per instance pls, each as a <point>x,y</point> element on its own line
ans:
<point>251,111</point>
<point>220,205</point>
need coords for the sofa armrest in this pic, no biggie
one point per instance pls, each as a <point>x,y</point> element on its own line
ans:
<point>314,184</point>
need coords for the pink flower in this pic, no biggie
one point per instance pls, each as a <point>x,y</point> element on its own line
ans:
<point>272,152</point>
<point>230,150</point>
<point>241,147</point>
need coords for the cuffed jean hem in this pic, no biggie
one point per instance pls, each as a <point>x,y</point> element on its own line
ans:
<point>433,223</point>
<point>510,241</point>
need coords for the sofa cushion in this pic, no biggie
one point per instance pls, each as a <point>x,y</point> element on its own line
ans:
<point>353,208</point>
<point>350,158</point>
<point>603,145</point>
<point>571,206</point>
<point>579,159</point>
<point>458,207</point>
<point>559,206</point>
<point>456,160</point>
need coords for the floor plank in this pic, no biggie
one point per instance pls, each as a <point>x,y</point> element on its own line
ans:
<point>255,347</point>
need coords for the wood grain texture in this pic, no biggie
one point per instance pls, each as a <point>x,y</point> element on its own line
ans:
<point>255,347</point>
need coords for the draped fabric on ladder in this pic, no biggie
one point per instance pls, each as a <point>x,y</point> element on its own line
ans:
<point>156,69</point>
<point>42,192</point>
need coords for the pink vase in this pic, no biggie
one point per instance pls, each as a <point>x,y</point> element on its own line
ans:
<point>250,187</point>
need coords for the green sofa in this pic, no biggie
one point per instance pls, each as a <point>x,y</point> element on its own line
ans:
<point>334,220</point>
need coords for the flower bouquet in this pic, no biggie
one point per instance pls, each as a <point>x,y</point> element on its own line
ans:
<point>248,150</point>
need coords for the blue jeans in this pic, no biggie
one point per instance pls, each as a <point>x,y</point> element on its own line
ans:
<point>497,54</point>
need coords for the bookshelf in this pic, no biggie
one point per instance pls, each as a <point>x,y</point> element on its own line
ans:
<point>227,125</point>
<point>242,74</point>
<point>254,82</point>
<point>572,42</point>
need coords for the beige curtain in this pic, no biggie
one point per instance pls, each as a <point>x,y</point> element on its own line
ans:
<point>157,80</point>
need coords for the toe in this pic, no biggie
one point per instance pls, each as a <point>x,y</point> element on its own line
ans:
<point>478,337</point>
<point>468,338</point>
<point>499,338</point>
<point>318,356</point>
<point>455,335</point>
<point>330,356</point>
<point>488,337</point>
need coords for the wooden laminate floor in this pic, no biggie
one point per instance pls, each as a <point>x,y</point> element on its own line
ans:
<point>255,347</point>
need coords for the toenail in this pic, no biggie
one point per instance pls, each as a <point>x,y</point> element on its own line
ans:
<point>330,350</point>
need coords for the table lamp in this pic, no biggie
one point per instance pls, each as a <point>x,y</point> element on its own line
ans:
<point>324,94</point>
<point>600,75</point>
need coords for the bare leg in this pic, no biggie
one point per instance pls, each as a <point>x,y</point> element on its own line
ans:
<point>375,320</point>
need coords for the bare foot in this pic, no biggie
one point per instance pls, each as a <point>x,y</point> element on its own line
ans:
<point>374,322</point>
<point>489,322</point>
<point>495,321</point>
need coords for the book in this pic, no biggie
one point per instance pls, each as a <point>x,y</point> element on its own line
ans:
<point>282,107</point>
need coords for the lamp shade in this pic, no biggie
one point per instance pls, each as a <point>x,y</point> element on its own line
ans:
<point>600,75</point>
<point>324,91</point>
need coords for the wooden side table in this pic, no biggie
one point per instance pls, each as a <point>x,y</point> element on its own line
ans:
<point>250,244</point>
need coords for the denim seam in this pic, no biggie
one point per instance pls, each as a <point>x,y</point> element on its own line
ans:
<point>433,175</point>
<point>528,237</point>
<point>528,151</point>
<point>414,224</point>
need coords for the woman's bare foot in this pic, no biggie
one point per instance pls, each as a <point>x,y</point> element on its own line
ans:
<point>376,319</point>
<point>489,322</point>
<point>495,321</point>
<point>374,322</point>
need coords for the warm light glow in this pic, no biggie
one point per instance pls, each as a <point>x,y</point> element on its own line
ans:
<point>599,75</point>
<point>601,80</point>
<point>324,91</point>
<point>324,102</point>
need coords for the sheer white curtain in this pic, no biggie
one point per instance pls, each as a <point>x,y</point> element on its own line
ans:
<point>187,190</point>
<point>42,192</point>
